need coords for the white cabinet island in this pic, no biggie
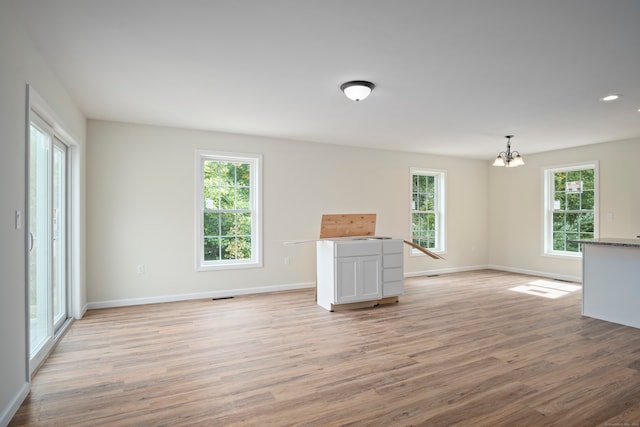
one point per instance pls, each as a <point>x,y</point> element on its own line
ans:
<point>359,270</point>
<point>611,280</point>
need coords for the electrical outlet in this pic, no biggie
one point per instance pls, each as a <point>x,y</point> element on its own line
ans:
<point>140,269</point>
<point>287,261</point>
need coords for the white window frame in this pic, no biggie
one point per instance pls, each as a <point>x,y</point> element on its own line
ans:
<point>255,165</point>
<point>439,208</point>
<point>547,206</point>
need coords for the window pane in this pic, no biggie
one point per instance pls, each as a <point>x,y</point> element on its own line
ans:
<point>558,241</point>
<point>430,202</point>
<point>211,248</point>
<point>211,198</point>
<point>236,248</point>
<point>243,247</point>
<point>242,174</point>
<point>586,222</point>
<point>572,222</point>
<point>227,224</point>
<point>228,247</point>
<point>573,202</point>
<point>227,198</point>
<point>242,198</point>
<point>227,174</point>
<point>430,184</point>
<point>572,247</point>
<point>587,179</point>
<point>244,224</point>
<point>574,175</point>
<point>430,239</point>
<point>585,236</point>
<point>431,222</point>
<point>560,201</point>
<point>210,172</point>
<point>211,224</point>
<point>415,224</point>
<point>588,200</point>
<point>423,184</point>
<point>560,179</point>
<point>558,221</point>
<point>415,201</point>
<point>423,206</point>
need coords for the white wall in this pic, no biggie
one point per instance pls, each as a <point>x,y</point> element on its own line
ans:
<point>517,196</point>
<point>141,197</point>
<point>20,64</point>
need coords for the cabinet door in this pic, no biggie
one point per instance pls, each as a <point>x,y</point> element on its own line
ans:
<point>347,279</point>
<point>358,279</point>
<point>370,280</point>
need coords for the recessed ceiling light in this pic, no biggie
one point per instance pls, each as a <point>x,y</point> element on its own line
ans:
<point>611,97</point>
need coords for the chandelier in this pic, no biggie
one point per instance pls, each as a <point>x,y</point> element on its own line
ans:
<point>509,159</point>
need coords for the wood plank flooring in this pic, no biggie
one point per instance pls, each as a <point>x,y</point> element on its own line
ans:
<point>457,350</point>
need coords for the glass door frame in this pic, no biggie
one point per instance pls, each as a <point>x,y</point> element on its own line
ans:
<point>60,238</point>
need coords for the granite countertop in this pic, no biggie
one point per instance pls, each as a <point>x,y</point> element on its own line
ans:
<point>611,241</point>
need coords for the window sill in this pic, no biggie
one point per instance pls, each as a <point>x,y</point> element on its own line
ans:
<point>558,255</point>
<point>228,266</point>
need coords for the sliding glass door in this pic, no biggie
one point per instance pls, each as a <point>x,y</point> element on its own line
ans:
<point>47,275</point>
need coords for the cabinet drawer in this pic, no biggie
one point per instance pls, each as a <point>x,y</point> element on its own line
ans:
<point>358,248</point>
<point>392,275</point>
<point>392,246</point>
<point>392,289</point>
<point>392,260</point>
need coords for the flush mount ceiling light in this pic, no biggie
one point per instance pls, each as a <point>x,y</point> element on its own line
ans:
<point>509,159</point>
<point>357,90</point>
<point>611,97</point>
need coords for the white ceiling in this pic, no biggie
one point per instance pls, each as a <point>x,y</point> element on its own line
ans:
<point>452,76</point>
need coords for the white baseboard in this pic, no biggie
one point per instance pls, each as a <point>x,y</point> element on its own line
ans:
<point>445,271</point>
<point>567,278</point>
<point>10,411</point>
<point>80,314</point>
<point>293,286</point>
<point>495,267</point>
<point>199,295</point>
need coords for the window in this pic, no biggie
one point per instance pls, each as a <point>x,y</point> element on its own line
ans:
<point>571,195</point>
<point>427,209</point>
<point>228,213</point>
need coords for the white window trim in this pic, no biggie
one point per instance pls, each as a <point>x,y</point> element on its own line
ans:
<point>547,212</point>
<point>255,161</point>
<point>440,208</point>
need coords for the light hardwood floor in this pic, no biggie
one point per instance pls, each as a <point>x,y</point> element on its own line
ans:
<point>458,349</point>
